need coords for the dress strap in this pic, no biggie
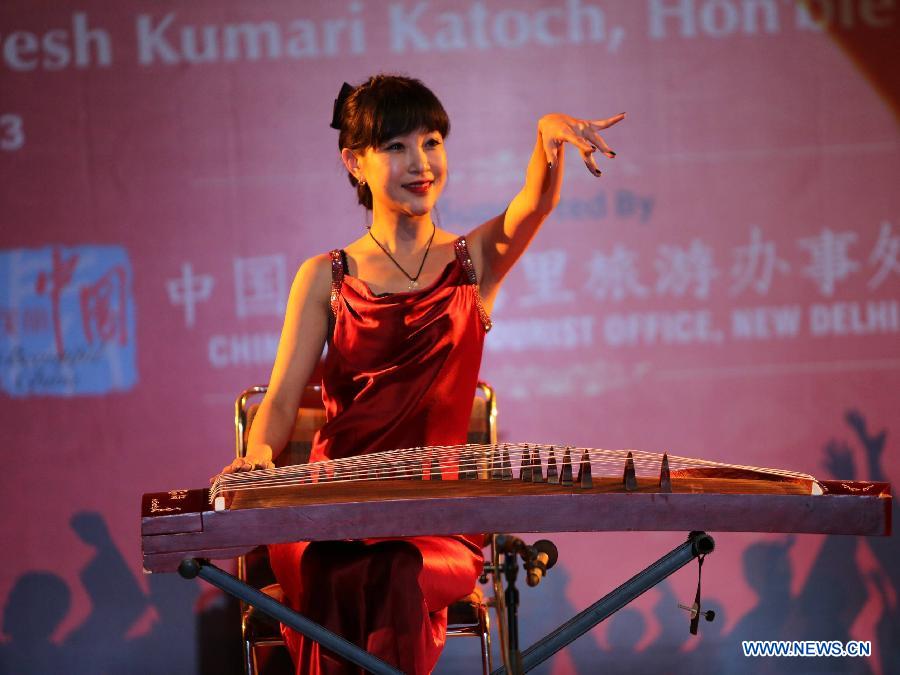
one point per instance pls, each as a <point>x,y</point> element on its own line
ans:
<point>465,261</point>
<point>337,278</point>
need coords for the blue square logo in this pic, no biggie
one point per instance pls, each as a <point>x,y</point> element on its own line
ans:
<point>67,321</point>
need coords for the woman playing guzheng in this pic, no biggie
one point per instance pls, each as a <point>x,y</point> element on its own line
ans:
<point>404,311</point>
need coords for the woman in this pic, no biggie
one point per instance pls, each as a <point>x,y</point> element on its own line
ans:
<point>404,310</point>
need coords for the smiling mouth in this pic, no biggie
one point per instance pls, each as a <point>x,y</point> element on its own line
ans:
<point>419,187</point>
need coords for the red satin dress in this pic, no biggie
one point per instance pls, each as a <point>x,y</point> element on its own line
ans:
<point>400,372</point>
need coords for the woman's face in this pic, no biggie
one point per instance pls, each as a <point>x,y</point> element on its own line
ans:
<point>406,173</point>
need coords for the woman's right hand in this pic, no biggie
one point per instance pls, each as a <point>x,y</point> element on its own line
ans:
<point>557,129</point>
<point>258,457</point>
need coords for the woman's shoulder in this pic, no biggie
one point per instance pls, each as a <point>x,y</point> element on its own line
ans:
<point>475,246</point>
<point>316,266</point>
<point>314,276</point>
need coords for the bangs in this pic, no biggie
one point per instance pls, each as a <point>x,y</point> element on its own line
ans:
<point>399,107</point>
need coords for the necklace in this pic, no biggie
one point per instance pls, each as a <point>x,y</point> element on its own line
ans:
<point>413,280</point>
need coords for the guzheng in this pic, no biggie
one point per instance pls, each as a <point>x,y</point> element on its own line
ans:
<point>497,488</point>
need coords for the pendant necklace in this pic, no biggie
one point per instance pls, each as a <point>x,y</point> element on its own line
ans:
<point>413,280</point>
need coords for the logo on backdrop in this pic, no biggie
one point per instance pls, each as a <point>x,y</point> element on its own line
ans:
<point>260,286</point>
<point>188,290</point>
<point>67,322</point>
<point>260,290</point>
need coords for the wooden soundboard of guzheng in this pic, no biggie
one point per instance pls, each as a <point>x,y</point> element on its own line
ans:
<point>183,524</point>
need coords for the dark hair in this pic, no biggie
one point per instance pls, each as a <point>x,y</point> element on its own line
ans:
<point>382,107</point>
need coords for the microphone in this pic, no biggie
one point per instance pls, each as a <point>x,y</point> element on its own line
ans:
<point>544,556</point>
<point>538,558</point>
<point>694,610</point>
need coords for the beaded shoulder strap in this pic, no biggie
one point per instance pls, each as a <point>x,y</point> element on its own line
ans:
<point>465,261</point>
<point>337,278</point>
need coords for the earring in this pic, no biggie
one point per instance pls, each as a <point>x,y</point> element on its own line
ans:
<point>361,181</point>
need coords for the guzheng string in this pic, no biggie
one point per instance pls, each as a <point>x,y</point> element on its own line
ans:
<point>475,460</point>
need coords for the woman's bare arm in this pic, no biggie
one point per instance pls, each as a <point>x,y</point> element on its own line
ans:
<point>299,350</point>
<point>501,241</point>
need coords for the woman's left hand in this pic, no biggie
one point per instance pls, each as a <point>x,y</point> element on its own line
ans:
<point>557,129</point>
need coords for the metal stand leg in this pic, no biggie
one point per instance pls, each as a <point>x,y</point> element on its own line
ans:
<point>194,567</point>
<point>510,571</point>
<point>698,543</point>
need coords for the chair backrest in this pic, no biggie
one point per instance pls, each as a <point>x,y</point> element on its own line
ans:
<point>311,416</point>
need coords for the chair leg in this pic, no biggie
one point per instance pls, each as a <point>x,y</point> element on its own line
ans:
<point>486,660</point>
<point>249,658</point>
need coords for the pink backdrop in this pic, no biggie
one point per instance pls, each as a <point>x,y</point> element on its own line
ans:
<point>730,289</point>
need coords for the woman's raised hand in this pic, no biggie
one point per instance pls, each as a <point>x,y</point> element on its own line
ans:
<point>557,129</point>
<point>259,457</point>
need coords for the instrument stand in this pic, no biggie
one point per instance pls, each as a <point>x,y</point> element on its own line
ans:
<point>511,598</point>
<point>195,567</point>
<point>698,544</point>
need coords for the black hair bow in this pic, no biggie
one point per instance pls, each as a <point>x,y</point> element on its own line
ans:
<point>343,95</point>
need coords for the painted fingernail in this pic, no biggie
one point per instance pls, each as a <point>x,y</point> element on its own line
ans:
<point>612,154</point>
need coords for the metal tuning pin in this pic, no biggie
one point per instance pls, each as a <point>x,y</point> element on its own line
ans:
<point>406,469</point>
<point>434,470</point>
<point>467,469</point>
<point>552,474</point>
<point>473,464</point>
<point>584,470</point>
<point>482,464</point>
<point>565,476</point>
<point>665,479</point>
<point>372,473</point>
<point>496,463</point>
<point>506,464</point>
<point>525,466</point>
<point>629,479</point>
<point>537,473</point>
